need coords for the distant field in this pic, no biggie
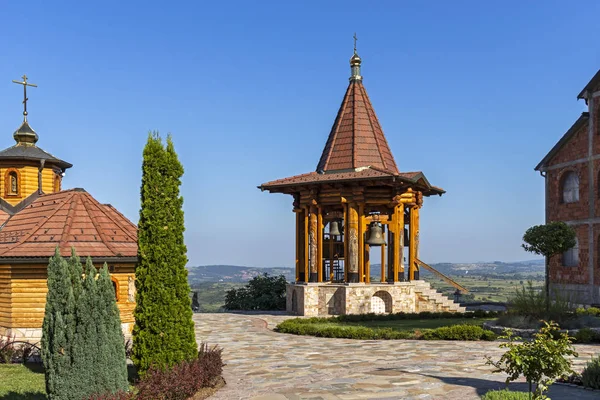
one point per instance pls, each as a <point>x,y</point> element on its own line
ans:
<point>211,295</point>
<point>485,288</point>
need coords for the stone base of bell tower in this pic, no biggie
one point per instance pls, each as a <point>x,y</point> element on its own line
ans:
<point>326,299</point>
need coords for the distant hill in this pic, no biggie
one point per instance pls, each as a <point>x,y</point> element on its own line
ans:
<point>240,274</point>
<point>233,273</point>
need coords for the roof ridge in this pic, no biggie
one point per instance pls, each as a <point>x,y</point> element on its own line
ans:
<point>68,222</point>
<point>119,224</point>
<point>367,103</point>
<point>33,229</point>
<point>334,131</point>
<point>97,225</point>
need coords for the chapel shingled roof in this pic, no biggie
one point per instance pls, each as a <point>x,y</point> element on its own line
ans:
<point>65,219</point>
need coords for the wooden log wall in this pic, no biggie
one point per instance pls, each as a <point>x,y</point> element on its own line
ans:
<point>5,309</point>
<point>28,289</point>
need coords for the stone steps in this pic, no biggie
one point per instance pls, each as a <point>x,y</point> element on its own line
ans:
<point>441,302</point>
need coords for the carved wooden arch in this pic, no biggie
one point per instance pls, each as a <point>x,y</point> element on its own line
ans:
<point>7,185</point>
<point>561,183</point>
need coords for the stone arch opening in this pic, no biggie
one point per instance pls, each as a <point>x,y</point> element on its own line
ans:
<point>381,302</point>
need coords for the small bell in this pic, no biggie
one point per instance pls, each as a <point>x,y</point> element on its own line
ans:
<point>375,235</point>
<point>334,229</point>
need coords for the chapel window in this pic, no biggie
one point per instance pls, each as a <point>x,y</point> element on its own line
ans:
<point>570,187</point>
<point>12,183</point>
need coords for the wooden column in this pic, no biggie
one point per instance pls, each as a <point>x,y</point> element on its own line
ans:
<point>313,245</point>
<point>368,262</point>
<point>353,243</point>
<point>413,243</point>
<point>299,243</point>
<point>346,230</point>
<point>383,258</point>
<point>320,245</point>
<point>398,222</point>
<point>305,244</point>
<point>361,243</point>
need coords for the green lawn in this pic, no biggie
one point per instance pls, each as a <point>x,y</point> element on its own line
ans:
<point>20,382</point>
<point>409,324</point>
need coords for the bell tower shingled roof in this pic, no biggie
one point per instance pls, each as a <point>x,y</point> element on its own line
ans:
<point>356,139</point>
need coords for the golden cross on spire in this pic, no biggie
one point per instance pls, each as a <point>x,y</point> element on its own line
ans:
<point>355,39</point>
<point>25,84</point>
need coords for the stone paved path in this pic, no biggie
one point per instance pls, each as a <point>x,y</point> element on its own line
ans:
<point>265,365</point>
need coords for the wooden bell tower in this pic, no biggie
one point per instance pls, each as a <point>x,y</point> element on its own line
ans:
<point>356,187</point>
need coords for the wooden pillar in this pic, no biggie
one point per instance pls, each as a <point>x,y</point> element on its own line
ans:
<point>361,243</point>
<point>398,222</point>
<point>305,244</point>
<point>353,249</point>
<point>368,263</point>
<point>313,245</point>
<point>413,243</point>
<point>383,259</point>
<point>346,230</point>
<point>320,245</point>
<point>299,243</point>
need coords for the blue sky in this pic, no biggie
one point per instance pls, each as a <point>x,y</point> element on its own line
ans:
<point>472,93</point>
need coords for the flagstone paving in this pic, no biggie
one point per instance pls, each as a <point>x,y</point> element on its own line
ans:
<point>266,365</point>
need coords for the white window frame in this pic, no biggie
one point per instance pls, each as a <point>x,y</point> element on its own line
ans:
<point>570,188</point>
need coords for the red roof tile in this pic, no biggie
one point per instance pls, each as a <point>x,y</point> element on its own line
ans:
<point>356,138</point>
<point>65,219</point>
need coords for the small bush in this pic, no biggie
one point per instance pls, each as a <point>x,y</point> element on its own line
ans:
<point>459,332</point>
<point>505,395</point>
<point>183,380</point>
<point>585,335</point>
<point>590,376</point>
<point>593,311</point>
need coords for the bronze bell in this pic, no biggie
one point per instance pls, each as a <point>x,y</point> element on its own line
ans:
<point>375,235</point>
<point>334,228</point>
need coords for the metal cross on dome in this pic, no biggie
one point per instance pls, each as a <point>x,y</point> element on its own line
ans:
<point>355,39</point>
<point>25,84</point>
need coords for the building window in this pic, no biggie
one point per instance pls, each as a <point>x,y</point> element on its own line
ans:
<point>12,184</point>
<point>115,284</point>
<point>570,187</point>
<point>571,256</point>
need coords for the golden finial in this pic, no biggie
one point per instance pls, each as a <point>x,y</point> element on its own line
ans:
<point>355,62</point>
<point>25,84</point>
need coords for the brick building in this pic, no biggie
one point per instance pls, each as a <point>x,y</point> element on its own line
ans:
<point>572,174</point>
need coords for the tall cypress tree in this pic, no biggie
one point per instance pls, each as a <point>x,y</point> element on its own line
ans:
<point>58,330</point>
<point>115,370</point>
<point>164,331</point>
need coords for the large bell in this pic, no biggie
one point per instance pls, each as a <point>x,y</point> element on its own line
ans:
<point>334,228</point>
<point>375,235</point>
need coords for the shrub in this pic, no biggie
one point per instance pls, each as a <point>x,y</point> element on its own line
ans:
<point>505,395</point>
<point>585,335</point>
<point>163,334</point>
<point>593,311</point>
<point>459,332</point>
<point>263,292</point>
<point>540,361</point>
<point>113,396</point>
<point>590,376</point>
<point>182,380</point>
<point>8,350</point>
<point>310,326</point>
